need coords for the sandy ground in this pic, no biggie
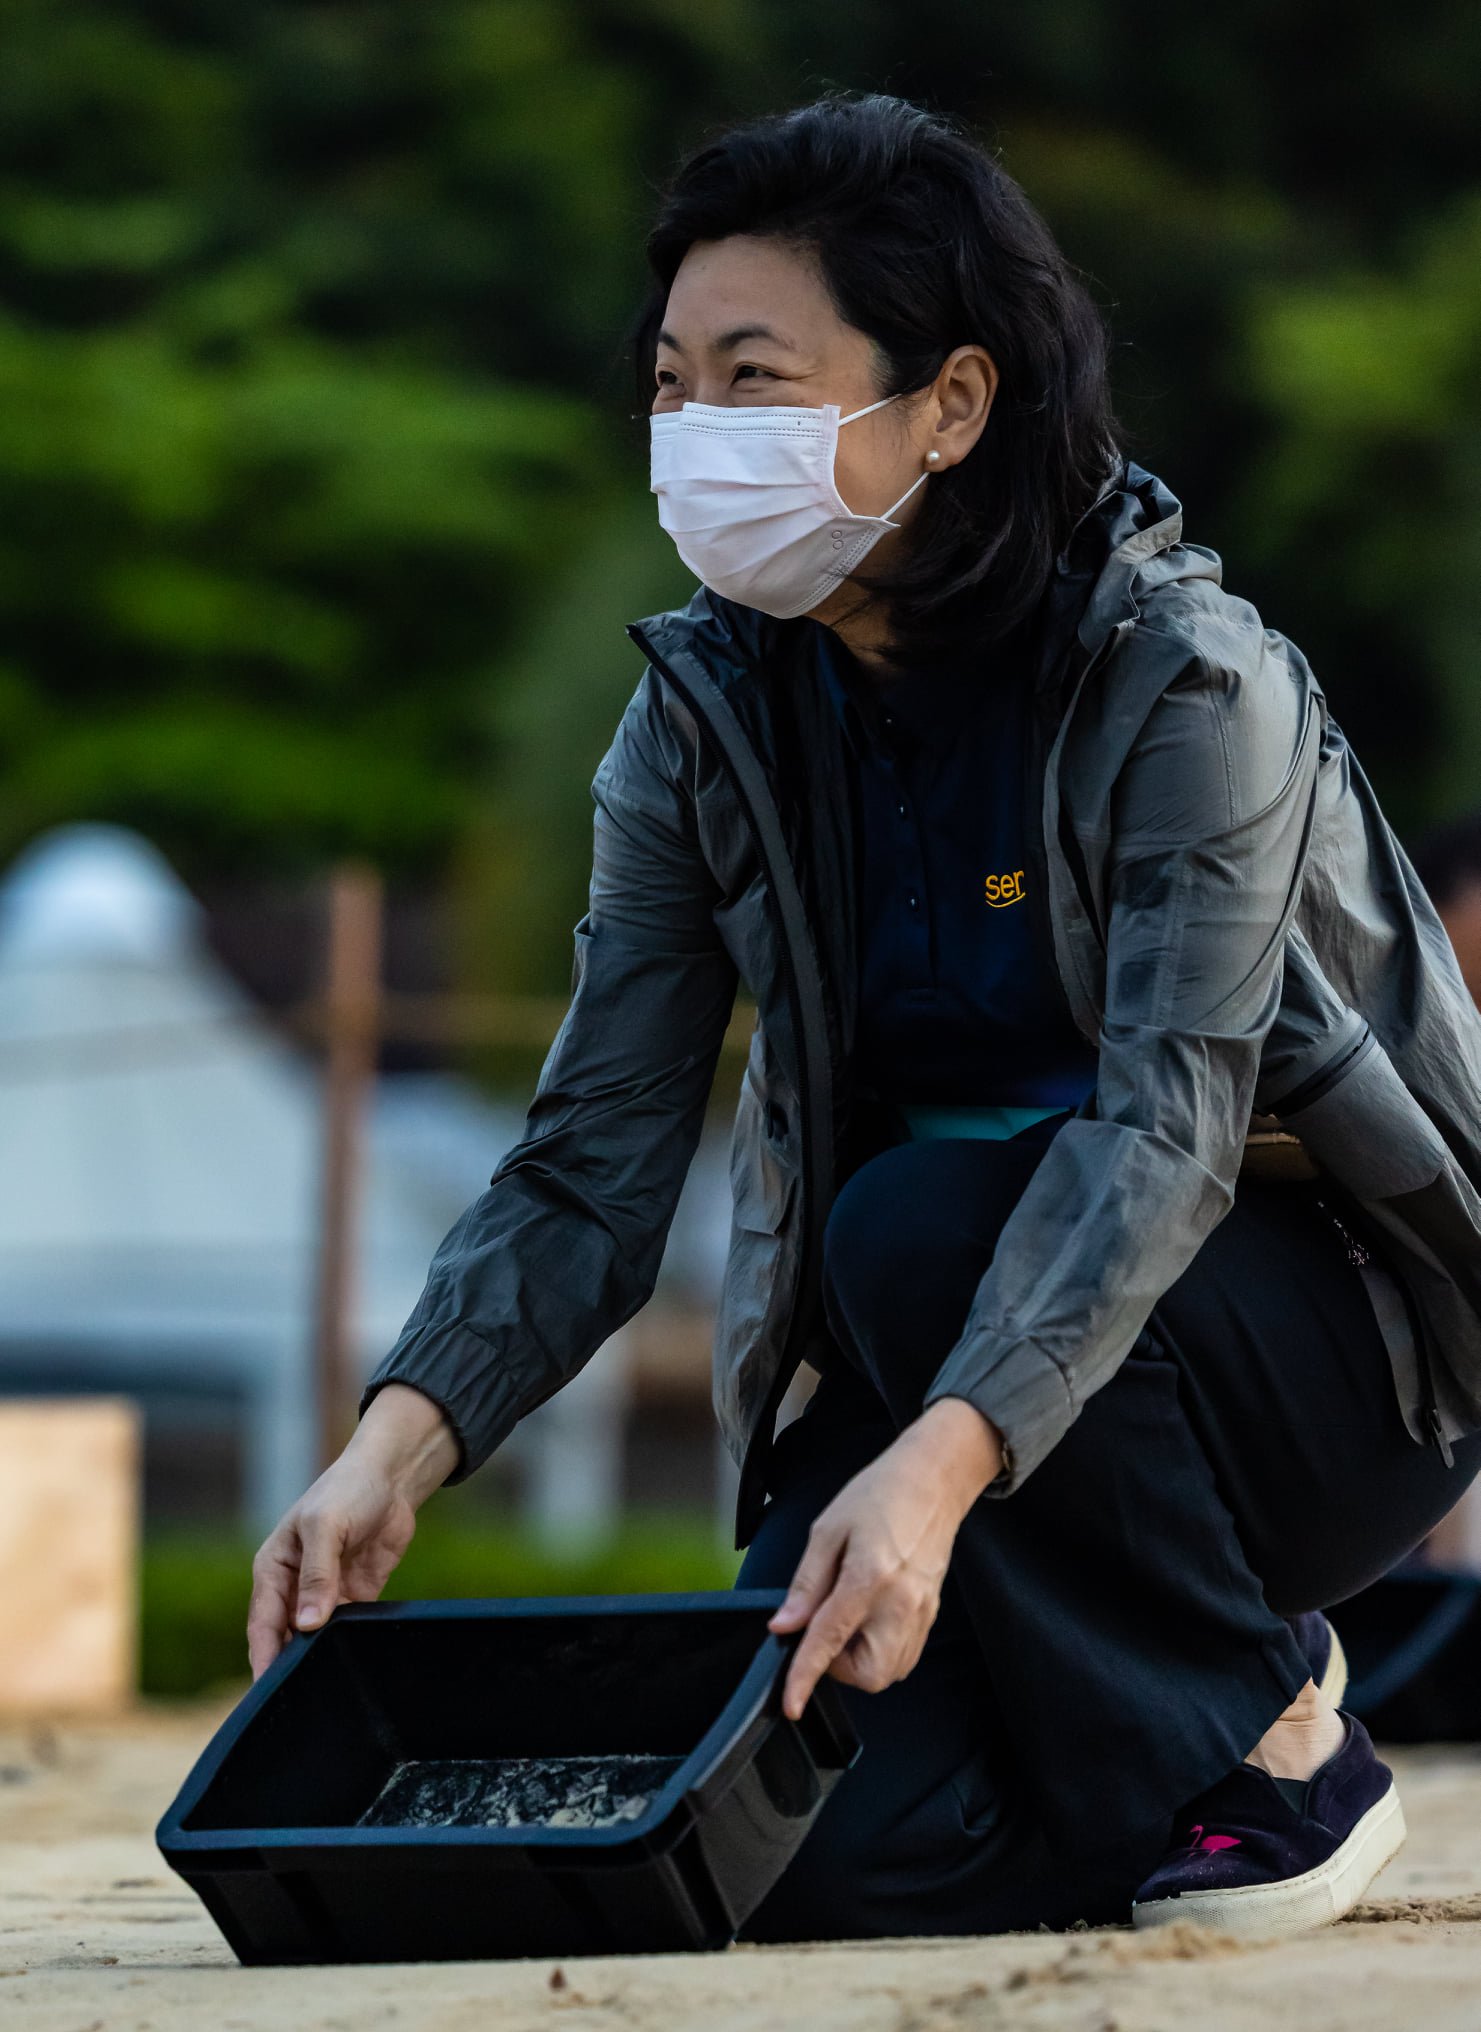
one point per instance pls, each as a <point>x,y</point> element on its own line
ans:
<point>97,1935</point>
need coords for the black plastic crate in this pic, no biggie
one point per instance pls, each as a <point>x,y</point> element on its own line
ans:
<point>292,1829</point>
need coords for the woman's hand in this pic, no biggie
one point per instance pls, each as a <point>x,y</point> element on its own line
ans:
<point>342,1539</point>
<point>869,1583</point>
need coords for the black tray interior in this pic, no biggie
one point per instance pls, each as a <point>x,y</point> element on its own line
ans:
<point>373,1695</point>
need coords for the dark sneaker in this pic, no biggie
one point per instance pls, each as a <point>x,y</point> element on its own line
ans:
<point>1264,1856</point>
<point>1324,1653</point>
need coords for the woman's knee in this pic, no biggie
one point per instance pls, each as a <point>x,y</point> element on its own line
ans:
<point>879,1247</point>
<point>870,1217</point>
<point>908,1239</point>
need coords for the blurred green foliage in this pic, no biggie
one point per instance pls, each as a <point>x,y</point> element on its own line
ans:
<point>196,1584</point>
<point>1372,477</point>
<point>305,313</point>
<point>321,499</point>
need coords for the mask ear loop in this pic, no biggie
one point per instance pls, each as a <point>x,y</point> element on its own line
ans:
<point>914,483</point>
<point>864,412</point>
<point>900,503</point>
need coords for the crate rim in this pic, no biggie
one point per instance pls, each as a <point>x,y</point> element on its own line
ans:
<point>726,1739</point>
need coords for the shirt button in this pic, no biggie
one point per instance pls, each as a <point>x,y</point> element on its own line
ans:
<point>902,811</point>
<point>913,900</point>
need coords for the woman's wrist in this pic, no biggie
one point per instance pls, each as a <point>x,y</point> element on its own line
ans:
<point>964,1447</point>
<point>405,1436</point>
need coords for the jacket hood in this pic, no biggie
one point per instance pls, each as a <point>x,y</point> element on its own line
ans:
<point>1129,536</point>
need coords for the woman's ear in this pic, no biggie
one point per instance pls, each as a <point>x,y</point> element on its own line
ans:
<point>965,389</point>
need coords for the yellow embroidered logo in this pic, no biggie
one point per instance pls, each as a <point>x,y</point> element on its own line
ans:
<point>1005,889</point>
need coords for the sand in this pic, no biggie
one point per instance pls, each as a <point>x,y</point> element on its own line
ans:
<point>96,1935</point>
<point>518,1791</point>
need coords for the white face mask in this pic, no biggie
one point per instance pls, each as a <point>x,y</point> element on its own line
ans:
<point>748,496</point>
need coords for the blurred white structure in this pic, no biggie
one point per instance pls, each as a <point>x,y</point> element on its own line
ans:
<point>158,1204</point>
<point>159,1196</point>
<point>433,1142</point>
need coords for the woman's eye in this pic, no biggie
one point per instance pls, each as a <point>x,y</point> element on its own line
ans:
<point>667,379</point>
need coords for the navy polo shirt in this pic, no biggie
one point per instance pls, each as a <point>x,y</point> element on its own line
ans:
<point>957,1003</point>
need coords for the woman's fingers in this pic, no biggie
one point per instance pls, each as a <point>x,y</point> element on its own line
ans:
<point>816,1572</point>
<point>321,1538</point>
<point>868,1632</point>
<point>868,1661</point>
<point>883,1648</point>
<point>273,1575</point>
<point>833,1624</point>
<point>863,1604</point>
<point>295,1581</point>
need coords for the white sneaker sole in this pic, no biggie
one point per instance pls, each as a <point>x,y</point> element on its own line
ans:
<point>1315,1898</point>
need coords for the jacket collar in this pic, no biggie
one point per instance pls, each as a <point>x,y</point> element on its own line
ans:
<point>1131,532</point>
<point>1135,519</point>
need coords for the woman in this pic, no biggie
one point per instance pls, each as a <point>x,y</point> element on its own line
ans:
<point>1055,883</point>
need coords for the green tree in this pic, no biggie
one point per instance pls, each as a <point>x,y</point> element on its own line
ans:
<point>306,310</point>
<point>321,503</point>
<point>1371,471</point>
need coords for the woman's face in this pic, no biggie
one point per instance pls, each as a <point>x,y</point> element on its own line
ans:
<point>749,322</point>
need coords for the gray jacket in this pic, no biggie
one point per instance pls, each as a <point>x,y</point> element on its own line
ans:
<point>1235,927</point>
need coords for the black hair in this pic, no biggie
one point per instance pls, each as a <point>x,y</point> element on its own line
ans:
<point>1447,859</point>
<point>925,243</point>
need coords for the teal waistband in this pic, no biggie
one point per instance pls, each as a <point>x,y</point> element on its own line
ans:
<point>926,1122</point>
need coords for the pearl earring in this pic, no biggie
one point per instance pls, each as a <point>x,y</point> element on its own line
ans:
<point>932,458</point>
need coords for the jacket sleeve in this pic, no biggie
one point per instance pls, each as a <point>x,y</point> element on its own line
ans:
<point>564,1244</point>
<point>1210,819</point>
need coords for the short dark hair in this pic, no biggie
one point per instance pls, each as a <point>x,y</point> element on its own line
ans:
<point>925,243</point>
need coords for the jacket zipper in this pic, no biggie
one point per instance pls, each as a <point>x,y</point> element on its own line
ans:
<point>1070,690</point>
<point>1361,1259</point>
<point>739,760</point>
<point>1035,753</point>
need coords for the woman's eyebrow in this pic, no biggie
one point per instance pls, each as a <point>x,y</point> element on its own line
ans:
<point>728,341</point>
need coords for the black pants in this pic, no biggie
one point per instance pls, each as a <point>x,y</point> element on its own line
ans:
<point>1111,1636</point>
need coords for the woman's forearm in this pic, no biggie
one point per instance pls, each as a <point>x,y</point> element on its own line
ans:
<point>407,1438</point>
<point>959,1446</point>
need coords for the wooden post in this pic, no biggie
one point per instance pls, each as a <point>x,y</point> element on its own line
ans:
<point>352,1013</point>
<point>69,1560</point>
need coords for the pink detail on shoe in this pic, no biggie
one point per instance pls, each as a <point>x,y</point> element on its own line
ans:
<point>1212,1843</point>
